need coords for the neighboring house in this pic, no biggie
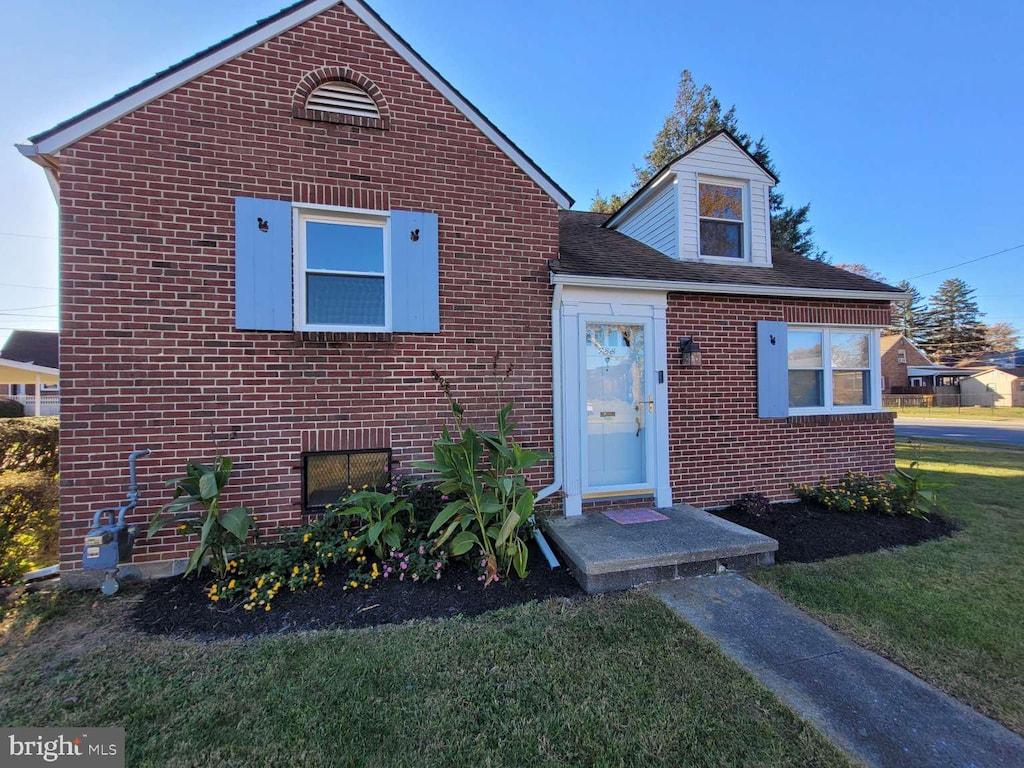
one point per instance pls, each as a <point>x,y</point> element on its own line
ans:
<point>1003,388</point>
<point>29,371</point>
<point>273,249</point>
<point>908,370</point>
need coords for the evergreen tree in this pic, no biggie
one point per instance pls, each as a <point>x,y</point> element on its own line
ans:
<point>909,318</point>
<point>696,114</point>
<point>953,329</point>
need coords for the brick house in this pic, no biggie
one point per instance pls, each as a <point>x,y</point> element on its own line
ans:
<point>898,354</point>
<point>272,249</point>
<point>908,370</point>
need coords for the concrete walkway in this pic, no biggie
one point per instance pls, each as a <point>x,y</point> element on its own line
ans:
<point>877,712</point>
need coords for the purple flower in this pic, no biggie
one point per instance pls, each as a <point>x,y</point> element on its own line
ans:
<point>404,565</point>
<point>445,497</point>
<point>437,566</point>
<point>423,550</point>
<point>401,577</point>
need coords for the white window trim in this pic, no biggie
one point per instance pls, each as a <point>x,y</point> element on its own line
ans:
<point>301,213</point>
<point>874,376</point>
<point>744,186</point>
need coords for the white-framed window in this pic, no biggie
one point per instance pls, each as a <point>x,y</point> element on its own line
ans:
<point>342,270</point>
<point>901,356</point>
<point>833,370</point>
<point>722,208</point>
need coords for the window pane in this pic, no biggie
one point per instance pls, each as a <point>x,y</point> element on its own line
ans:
<point>804,349</point>
<point>334,300</point>
<point>849,350</point>
<point>721,202</point>
<point>344,247</point>
<point>805,389</point>
<point>850,387</point>
<point>720,238</point>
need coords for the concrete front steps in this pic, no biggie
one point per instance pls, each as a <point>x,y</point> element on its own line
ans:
<point>605,556</point>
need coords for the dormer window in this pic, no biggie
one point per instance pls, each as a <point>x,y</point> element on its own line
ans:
<point>721,220</point>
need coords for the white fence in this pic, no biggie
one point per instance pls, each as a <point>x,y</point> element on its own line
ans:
<point>49,405</point>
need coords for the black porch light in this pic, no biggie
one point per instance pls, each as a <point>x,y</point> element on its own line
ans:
<point>689,352</point>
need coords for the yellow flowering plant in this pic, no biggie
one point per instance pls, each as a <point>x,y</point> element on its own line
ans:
<point>861,493</point>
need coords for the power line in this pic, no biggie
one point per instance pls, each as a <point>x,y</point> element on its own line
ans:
<point>37,287</point>
<point>18,309</point>
<point>22,314</point>
<point>969,261</point>
<point>21,234</point>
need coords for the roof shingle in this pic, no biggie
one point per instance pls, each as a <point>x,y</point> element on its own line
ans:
<point>585,248</point>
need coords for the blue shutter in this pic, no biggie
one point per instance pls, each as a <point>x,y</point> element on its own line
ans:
<point>263,264</point>
<point>772,370</point>
<point>415,305</point>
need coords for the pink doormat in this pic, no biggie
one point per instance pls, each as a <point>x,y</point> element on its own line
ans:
<point>633,516</point>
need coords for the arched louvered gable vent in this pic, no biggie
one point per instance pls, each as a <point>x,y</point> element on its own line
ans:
<point>343,98</point>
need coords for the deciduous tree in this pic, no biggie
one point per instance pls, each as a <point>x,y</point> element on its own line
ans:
<point>1001,337</point>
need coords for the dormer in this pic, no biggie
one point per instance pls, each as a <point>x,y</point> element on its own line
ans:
<point>708,205</point>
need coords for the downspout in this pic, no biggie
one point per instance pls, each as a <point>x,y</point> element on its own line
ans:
<point>556,418</point>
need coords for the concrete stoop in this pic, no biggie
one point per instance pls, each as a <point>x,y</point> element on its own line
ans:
<point>605,556</point>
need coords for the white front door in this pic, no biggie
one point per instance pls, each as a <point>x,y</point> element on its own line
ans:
<point>618,405</point>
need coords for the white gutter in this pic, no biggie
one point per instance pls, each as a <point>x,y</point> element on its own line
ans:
<point>556,418</point>
<point>686,286</point>
<point>556,391</point>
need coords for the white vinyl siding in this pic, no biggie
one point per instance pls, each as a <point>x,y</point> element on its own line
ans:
<point>654,224</point>
<point>722,159</point>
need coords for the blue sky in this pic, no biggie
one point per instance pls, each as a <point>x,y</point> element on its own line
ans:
<point>898,124</point>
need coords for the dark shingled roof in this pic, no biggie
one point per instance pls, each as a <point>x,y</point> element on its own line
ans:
<point>35,347</point>
<point>585,248</point>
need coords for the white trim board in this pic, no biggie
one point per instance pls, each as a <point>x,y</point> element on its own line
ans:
<point>88,124</point>
<point>684,286</point>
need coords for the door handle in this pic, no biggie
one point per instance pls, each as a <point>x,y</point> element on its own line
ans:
<point>650,404</point>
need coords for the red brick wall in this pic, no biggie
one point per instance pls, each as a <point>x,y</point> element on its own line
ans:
<point>149,353</point>
<point>718,447</point>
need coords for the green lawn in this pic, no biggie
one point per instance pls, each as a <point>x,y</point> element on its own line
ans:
<point>983,414</point>
<point>952,611</point>
<point>602,681</point>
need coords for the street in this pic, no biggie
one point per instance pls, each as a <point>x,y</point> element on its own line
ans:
<point>1006,433</point>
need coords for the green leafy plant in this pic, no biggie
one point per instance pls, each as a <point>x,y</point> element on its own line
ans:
<point>484,473</point>
<point>29,444</point>
<point>383,518</point>
<point>11,409</point>
<point>28,523</point>
<point>221,533</point>
<point>918,495</point>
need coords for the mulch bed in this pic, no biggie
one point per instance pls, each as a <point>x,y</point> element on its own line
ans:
<point>177,606</point>
<point>807,533</point>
